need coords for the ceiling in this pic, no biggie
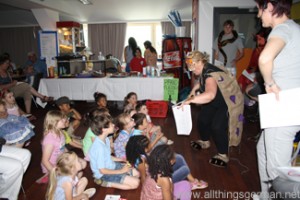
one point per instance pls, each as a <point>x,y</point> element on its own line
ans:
<point>18,13</point>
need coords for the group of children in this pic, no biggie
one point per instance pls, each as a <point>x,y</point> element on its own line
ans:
<point>121,152</point>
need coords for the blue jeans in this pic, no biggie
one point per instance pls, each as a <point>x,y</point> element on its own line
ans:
<point>115,178</point>
<point>180,169</point>
<point>127,69</point>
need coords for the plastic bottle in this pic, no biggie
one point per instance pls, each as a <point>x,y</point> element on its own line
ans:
<point>152,71</point>
<point>100,57</point>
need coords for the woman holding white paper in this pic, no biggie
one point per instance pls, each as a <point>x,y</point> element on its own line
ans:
<point>219,94</point>
<point>279,66</point>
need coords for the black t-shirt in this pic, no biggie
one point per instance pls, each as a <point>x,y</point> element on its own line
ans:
<point>206,73</point>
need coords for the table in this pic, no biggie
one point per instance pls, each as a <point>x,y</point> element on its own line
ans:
<point>114,88</point>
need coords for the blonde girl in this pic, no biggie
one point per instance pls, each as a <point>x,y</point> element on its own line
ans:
<point>10,103</point>
<point>53,144</point>
<point>125,125</point>
<point>64,184</point>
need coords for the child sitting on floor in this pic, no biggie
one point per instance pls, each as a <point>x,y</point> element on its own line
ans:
<point>90,135</point>
<point>64,183</point>
<point>16,130</point>
<point>100,100</point>
<point>137,149</point>
<point>151,128</point>
<point>71,142</point>
<point>63,103</point>
<point>130,101</point>
<point>158,184</point>
<point>11,105</point>
<point>53,144</point>
<point>140,128</point>
<point>124,124</point>
<point>106,171</point>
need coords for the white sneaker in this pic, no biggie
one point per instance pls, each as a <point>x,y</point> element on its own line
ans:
<point>170,142</point>
<point>255,197</point>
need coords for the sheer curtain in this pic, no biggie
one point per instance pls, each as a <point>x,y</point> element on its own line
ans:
<point>169,29</point>
<point>18,42</point>
<point>107,38</point>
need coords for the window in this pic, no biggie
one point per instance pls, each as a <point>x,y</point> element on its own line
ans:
<point>145,31</point>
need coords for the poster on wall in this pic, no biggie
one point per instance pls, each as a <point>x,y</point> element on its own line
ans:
<point>48,47</point>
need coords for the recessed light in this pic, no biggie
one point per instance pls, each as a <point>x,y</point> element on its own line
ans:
<point>86,2</point>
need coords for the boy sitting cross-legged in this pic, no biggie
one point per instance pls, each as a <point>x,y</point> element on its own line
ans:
<point>107,171</point>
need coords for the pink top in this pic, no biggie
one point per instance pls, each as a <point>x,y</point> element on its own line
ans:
<point>13,111</point>
<point>150,190</point>
<point>58,143</point>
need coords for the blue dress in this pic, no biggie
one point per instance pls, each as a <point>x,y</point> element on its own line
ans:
<point>16,129</point>
<point>59,191</point>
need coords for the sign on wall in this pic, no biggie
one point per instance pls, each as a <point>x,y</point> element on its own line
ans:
<point>48,47</point>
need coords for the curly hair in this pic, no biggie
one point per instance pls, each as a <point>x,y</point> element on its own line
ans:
<point>136,146</point>
<point>160,161</point>
<point>98,96</point>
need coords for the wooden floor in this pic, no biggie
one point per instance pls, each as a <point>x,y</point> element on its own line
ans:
<point>239,178</point>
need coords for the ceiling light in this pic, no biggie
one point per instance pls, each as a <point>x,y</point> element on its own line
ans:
<point>86,2</point>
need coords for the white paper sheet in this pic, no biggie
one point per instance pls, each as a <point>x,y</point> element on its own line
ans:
<point>183,119</point>
<point>282,112</point>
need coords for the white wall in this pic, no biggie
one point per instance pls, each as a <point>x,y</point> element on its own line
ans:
<point>206,8</point>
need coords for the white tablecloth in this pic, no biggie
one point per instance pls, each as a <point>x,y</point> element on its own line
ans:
<point>114,88</point>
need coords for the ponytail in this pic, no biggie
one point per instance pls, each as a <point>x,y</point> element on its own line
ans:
<point>52,184</point>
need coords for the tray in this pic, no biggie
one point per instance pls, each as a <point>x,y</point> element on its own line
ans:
<point>67,76</point>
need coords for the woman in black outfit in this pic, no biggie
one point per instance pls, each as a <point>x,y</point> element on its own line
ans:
<point>222,107</point>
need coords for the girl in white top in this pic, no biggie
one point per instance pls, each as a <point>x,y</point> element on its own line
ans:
<point>11,105</point>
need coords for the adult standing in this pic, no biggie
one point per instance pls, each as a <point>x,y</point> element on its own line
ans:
<point>228,47</point>
<point>280,68</point>
<point>39,66</point>
<point>129,52</point>
<point>14,163</point>
<point>219,95</point>
<point>150,54</point>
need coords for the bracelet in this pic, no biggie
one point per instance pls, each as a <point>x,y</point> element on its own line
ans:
<point>270,84</point>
